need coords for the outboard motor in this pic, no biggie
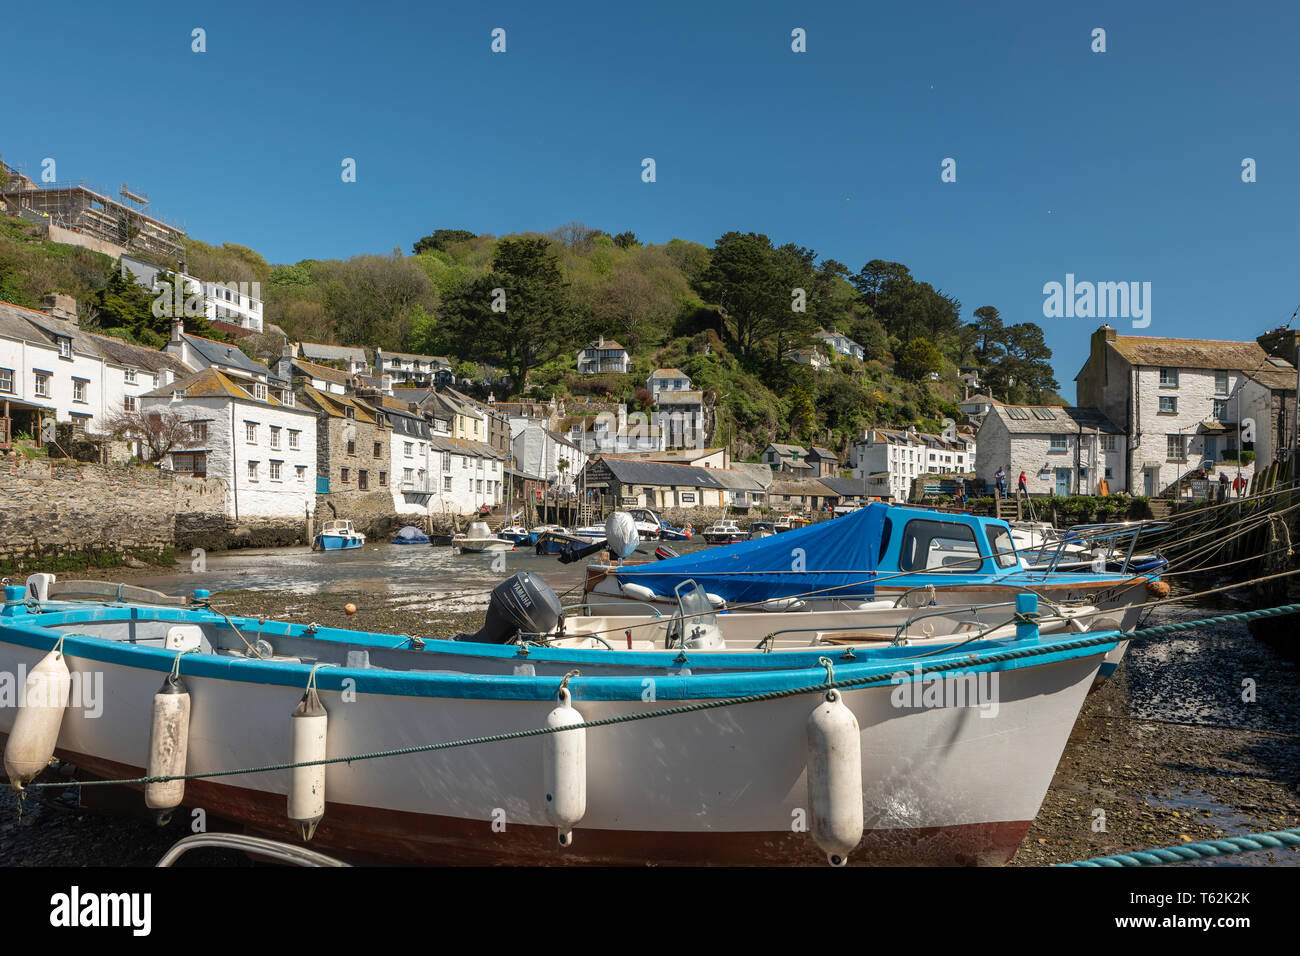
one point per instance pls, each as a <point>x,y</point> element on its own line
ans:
<point>519,603</point>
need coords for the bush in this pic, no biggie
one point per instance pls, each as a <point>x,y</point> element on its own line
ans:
<point>1247,457</point>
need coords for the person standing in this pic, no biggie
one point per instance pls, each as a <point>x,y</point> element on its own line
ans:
<point>1000,482</point>
<point>959,496</point>
<point>1022,486</point>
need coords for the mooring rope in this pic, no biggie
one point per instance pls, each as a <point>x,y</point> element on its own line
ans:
<point>821,688</point>
<point>1179,853</point>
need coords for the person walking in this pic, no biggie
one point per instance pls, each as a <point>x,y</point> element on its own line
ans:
<point>1022,486</point>
<point>1000,482</point>
<point>959,496</point>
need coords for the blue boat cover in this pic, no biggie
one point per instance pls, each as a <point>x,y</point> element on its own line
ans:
<point>836,557</point>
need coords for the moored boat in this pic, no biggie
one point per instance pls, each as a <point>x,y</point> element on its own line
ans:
<point>479,540</point>
<point>410,535</point>
<point>338,535</point>
<point>725,531</point>
<point>719,784</point>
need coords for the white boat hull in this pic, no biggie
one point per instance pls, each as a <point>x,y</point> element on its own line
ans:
<point>944,785</point>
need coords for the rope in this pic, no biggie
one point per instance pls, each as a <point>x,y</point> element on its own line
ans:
<point>825,686</point>
<point>1273,840</point>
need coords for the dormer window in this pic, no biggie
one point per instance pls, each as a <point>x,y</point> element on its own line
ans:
<point>349,411</point>
<point>65,347</point>
<point>178,394</point>
<point>129,374</point>
<point>286,397</point>
<point>259,391</point>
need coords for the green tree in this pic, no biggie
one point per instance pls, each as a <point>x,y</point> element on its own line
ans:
<point>527,322</point>
<point>440,239</point>
<point>918,359</point>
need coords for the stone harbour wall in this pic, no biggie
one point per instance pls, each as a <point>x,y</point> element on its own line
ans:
<point>57,514</point>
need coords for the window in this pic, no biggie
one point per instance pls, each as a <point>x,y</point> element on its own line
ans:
<point>1176,447</point>
<point>178,394</point>
<point>1168,405</point>
<point>480,486</point>
<point>1045,414</point>
<point>1107,442</point>
<point>1220,408</point>
<point>250,432</point>
<point>275,436</point>
<point>1169,376</point>
<point>464,464</point>
<point>409,449</point>
<point>379,450</point>
<point>43,384</point>
<point>295,437</point>
<point>128,403</point>
<point>276,467</point>
<point>302,473</point>
<point>1109,476</point>
<point>259,391</point>
<point>1004,549</point>
<point>352,446</point>
<point>252,471</point>
<point>446,461</point>
<point>286,397</point>
<point>343,475</point>
<point>129,375</point>
<point>446,482</point>
<point>1059,443</point>
<point>1019,414</point>
<point>7,380</point>
<point>65,347</point>
<point>363,480</point>
<point>1220,383</point>
<point>383,479</point>
<point>939,544</point>
<point>198,431</point>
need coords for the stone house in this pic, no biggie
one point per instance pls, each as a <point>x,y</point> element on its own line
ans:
<point>1176,400</point>
<point>1062,451</point>
<point>624,483</point>
<point>353,453</point>
<point>822,461</point>
<point>787,458</point>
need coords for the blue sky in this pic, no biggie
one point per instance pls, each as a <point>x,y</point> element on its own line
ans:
<point>1115,166</point>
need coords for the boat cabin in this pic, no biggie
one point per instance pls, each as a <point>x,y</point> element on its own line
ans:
<point>915,539</point>
<point>339,526</point>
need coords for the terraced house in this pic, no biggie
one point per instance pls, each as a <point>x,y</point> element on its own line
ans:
<point>53,369</point>
<point>253,438</point>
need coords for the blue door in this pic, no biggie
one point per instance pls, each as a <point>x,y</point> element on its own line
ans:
<point>1212,447</point>
<point>1063,481</point>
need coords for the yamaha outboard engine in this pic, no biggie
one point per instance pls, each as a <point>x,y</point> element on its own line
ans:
<point>519,603</point>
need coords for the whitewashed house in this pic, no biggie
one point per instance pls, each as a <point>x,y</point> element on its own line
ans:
<point>256,441</point>
<point>841,343</point>
<point>888,460</point>
<point>1176,400</point>
<point>51,368</point>
<point>538,451</point>
<point>603,355</point>
<point>1062,451</point>
<point>238,303</point>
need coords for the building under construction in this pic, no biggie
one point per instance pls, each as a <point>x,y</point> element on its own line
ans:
<point>79,214</point>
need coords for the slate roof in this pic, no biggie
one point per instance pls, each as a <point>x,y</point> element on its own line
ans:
<point>28,325</point>
<point>321,371</point>
<point>801,486</point>
<point>846,487</point>
<point>209,383</point>
<point>629,471</point>
<point>331,353</point>
<point>1065,421</point>
<point>219,353</point>
<point>736,480</point>
<point>1276,373</point>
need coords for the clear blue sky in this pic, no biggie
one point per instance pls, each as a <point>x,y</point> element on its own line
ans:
<point>1115,166</point>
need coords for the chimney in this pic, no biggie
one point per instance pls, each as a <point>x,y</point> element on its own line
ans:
<point>61,306</point>
<point>178,328</point>
<point>600,342</point>
<point>284,368</point>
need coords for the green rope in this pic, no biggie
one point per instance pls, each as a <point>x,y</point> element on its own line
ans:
<point>1021,653</point>
<point>1276,839</point>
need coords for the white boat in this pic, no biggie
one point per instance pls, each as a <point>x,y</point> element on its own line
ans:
<point>725,531</point>
<point>934,769</point>
<point>479,539</point>
<point>338,535</point>
<point>648,523</point>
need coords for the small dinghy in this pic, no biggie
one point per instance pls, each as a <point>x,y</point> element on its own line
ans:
<point>410,535</point>
<point>663,552</point>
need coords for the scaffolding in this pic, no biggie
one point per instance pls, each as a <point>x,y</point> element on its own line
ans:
<point>83,208</point>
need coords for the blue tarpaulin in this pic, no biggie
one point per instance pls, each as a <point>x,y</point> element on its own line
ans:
<point>835,557</point>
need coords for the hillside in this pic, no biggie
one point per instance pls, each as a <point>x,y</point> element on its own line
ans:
<point>516,309</point>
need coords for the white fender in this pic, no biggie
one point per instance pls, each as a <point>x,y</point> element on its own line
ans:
<point>638,592</point>
<point>835,778</point>
<point>716,600</point>
<point>35,732</point>
<point>169,739</point>
<point>564,759</point>
<point>308,725</point>
<point>782,604</point>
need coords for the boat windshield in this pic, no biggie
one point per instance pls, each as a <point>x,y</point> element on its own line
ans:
<point>1004,549</point>
<point>938,545</point>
